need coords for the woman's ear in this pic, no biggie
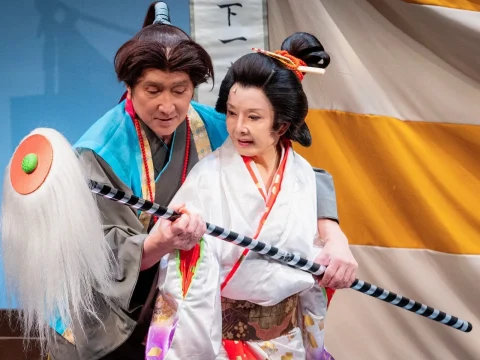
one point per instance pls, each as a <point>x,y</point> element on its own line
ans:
<point>283,129</point>
<point>129,93</point>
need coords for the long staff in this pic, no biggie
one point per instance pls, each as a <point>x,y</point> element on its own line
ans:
<point>288,258</point>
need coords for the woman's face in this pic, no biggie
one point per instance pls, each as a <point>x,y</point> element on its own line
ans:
<point>250,121</point>
<point>161,100</point>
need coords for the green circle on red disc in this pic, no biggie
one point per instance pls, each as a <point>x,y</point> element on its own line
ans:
<point>30,163</point>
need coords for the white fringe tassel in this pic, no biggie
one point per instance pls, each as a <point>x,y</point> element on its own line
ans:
<point>54,252</point>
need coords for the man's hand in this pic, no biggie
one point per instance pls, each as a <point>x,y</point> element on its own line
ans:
<point>336,256</point>
<point>167,236</point>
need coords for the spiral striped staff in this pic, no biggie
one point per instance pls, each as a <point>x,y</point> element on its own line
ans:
<point>288,258</point>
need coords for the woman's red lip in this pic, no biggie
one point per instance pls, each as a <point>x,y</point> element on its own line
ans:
<point>244,143</point>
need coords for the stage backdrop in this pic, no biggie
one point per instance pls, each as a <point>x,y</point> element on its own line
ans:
<point>396,121</point>
<point>57,65</point>
<point>227,30</point>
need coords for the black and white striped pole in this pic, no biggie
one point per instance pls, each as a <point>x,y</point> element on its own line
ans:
<point>288,258</point>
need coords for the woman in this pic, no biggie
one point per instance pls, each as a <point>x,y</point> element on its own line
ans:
<point>234,304</point>
<point>147,145</point>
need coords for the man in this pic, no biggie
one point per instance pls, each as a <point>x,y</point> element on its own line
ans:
<point>147,144</point>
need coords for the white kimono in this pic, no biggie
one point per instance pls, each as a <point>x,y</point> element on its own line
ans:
<point>221,189</point>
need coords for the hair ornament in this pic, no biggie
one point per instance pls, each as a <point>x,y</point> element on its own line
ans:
<point>291,62</point>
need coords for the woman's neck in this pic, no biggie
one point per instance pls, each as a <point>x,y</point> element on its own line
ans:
<point>267,164</point>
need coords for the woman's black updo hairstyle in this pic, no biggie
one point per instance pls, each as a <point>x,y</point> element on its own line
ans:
<point>280,85</point>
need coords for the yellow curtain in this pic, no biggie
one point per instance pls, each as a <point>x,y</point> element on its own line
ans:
<point>395,119</point>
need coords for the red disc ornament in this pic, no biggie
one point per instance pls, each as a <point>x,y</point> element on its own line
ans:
<point>31,164</point>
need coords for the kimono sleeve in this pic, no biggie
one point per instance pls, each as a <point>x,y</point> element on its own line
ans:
<point>198,334</point>
<point>326,199</point>
<point>312,311</point>
<point>125,235</point>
